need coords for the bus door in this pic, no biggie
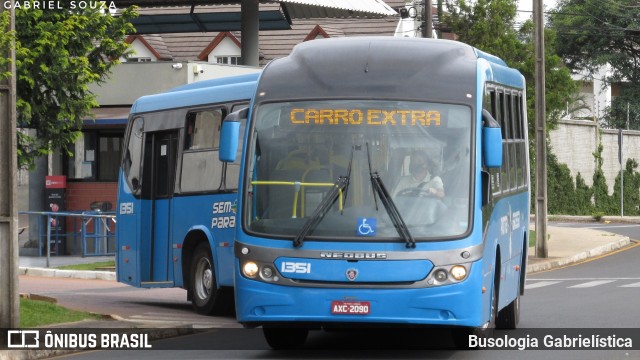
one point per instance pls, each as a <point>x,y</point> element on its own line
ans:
<point>159,167</point>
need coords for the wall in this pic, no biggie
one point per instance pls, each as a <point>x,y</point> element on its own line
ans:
<point>130,81</point>
<point>574,143</point>
<point>80,195</point>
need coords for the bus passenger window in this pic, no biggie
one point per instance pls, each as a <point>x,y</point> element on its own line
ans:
<point>203,129</point>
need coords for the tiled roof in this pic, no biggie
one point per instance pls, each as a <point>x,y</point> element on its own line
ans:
<point>272,43</point>
<point>158,44</point>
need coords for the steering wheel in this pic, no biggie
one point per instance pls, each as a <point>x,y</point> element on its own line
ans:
<point>416,191</point>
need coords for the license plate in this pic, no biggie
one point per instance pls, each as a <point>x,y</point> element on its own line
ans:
<point>350,307</point>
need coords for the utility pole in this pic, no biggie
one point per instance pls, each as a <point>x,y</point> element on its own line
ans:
<point>541,134</point>
<point>9,300</point>
<point>427,20</point>
<point>620,156</point>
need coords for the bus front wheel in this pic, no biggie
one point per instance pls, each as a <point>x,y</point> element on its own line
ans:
<point>207,298</point>
<point>509,317</point>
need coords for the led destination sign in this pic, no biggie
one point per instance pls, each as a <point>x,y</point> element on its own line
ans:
<point>368,117</point>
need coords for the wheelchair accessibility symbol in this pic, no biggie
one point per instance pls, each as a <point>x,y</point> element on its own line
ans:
<point>366,227</point>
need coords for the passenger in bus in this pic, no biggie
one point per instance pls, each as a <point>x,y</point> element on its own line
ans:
<point>420,182</point>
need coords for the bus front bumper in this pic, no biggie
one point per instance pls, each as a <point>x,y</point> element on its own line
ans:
<point>461,304</point>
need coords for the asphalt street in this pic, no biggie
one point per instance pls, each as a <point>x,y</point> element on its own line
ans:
<point>598,294</point>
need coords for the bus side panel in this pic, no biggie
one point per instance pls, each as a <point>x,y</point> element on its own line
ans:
<point>215,217</point>
<point>127,248</point>
<point>512,248</point>
<point>509,220</point>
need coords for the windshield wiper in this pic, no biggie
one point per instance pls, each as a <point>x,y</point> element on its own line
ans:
<point>398,222</point>
<point>321,210</point>
<point>340,187</point>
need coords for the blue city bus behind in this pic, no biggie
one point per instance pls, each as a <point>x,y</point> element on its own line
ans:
<point>176,199</point>
<point>328,236</point>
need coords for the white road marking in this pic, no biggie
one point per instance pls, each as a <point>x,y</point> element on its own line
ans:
<point>592,284</point>
<point>631,285</point>
<point>540,284</point>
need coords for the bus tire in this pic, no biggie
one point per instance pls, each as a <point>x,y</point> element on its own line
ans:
<point>461,336</point>
<point>207,298</point>
<point>285,338</point>
<point>509,317</point>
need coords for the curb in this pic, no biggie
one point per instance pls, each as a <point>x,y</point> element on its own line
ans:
<point>600,250</point>
<point>70,274</point>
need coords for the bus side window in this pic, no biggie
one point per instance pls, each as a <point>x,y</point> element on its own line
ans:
<point>200,156</point>
<point>203,129</point>
<point>133,155</point>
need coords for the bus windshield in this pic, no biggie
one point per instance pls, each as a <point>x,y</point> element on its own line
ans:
<point>419,152</point>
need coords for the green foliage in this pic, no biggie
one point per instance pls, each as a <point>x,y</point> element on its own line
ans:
<point>593,34</point>
<point>631,189</point>
<point>101,265</point>
<point>582,197</point>
<point>560,187</point>
<point>6,39</point>
<point>34,313</point>
<point>623,106</point>
<point>602,201</point>
<point>563,197</point>
<point>59,53</point>
<point>489,25</point>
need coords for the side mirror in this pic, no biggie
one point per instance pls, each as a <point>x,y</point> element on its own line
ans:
<point>491,141</point>
<point>229,135</point>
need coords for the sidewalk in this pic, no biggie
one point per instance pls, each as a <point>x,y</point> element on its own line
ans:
<point>37,266</point>
<point>567,246</point>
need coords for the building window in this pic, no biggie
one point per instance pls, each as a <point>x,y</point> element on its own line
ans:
<point>228,59</point>
<point>139,59</point>
<point>95,156</point>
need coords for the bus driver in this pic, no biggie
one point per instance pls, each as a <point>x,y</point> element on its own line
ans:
<point>420,180</point>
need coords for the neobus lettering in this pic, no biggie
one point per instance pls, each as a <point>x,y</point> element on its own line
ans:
<point>370,117</point>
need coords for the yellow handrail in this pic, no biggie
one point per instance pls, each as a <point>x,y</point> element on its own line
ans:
<point>298,185</point>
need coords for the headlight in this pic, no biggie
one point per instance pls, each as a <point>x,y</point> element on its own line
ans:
<point>440,275</point>
<point>267,273</point>
<point>250,269</point>
<point>458,272</point>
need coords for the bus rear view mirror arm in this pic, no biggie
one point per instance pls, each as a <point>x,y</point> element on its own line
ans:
<point>491,141</point>
<point>229,135</point>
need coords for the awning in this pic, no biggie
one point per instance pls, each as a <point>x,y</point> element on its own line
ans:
<point>205,22</point>
<point>108,116</point>
<point>301,9</point>
<point>304,9</point>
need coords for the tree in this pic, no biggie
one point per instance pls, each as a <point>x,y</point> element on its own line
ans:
<point>593,34</point>
<point>489,25</point>
<point>6,38</point>
<point>59,53</point>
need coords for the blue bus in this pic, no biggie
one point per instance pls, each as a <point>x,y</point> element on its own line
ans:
<point>384,181</point>
<point>176,199</point>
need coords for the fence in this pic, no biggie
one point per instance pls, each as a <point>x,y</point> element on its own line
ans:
<point>95,230</point>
